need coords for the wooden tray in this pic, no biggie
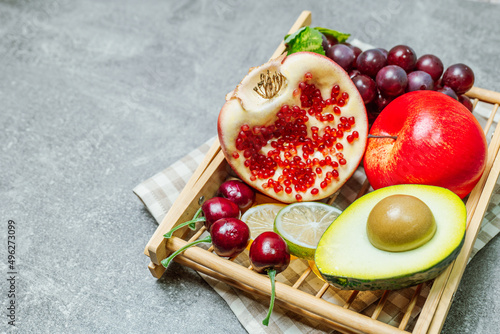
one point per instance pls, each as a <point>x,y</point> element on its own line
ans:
<point>214,170</point>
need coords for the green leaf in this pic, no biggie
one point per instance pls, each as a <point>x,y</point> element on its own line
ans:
<point>305,39</point>
<point>340,36</point>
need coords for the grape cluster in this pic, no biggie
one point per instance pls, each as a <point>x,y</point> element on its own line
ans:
<point>382,75</point>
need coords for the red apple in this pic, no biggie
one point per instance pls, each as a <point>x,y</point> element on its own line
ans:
<point>439,142</point>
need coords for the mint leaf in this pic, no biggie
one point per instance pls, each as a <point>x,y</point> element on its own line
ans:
<point>305,39</point>
<point>340,36</point>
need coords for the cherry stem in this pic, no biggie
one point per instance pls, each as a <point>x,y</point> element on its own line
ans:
<point>272,275</point>
<point>191,223</point>
<point>166,262</point>
<point>384,136</point>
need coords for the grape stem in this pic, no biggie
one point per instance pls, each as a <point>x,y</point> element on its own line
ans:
<point>166,262</point>
<point>272,275</point>
<point>191,223</point>
<point>383,136</point>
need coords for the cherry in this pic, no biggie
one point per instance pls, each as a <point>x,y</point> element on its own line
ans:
<point>269,254</point>
<point>238,192</point>
<point>229,236</point>
<point>213,210</point>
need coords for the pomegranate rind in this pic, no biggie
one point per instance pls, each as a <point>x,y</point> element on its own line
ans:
<point>247,108</point>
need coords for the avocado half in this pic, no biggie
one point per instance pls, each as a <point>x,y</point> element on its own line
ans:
<point>346,258</point>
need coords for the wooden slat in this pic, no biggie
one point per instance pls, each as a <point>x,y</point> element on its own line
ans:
<point>484,95</point>
<point>441,282</point>
<point>285,293</point>
<point>186,205</point>
<point>462,259</point>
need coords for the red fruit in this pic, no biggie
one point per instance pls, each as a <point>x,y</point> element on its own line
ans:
<point>217,208</point>
<point>459,77</point>
<point>466,102</point>
<point>439,142</point>
<point>230,236</point>
<point>283,120</point>
<point>269,251</point>
<point>237,192</point>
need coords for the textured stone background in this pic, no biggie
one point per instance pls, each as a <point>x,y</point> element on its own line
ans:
<point>96,96</point>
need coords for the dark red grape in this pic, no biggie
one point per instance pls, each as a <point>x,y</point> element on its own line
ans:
<point>366,86</point>
<point>328,41</point>
<point>357,52</point>
<point>384,52</point>
<point>392,80</point>
<point>466,102</point>
<point>381,101</point>
<point>419,80</point>
<point>370,62</point>
<point>459,77</point>
<point>402,56</point>
<point>448,91</point>
<point>353,73</point>
<point>430,64</point>
<point>342,55</point>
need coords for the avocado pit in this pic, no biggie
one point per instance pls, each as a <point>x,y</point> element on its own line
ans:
<point>400,223</point>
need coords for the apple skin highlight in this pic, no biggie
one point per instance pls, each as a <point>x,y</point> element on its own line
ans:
<point>439,142</point>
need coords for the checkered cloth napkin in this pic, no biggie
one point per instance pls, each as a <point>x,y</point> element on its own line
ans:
<point>160,191</point>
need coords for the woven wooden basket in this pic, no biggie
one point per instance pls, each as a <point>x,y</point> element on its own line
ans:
<point>214,170</point>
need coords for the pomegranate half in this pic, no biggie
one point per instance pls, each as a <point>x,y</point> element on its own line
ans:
<point>295,128</point>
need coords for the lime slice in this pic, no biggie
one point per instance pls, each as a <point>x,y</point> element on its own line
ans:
<point>302,225</point>
<point>260,218</point>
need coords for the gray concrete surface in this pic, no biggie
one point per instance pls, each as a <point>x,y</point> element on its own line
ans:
<point>96,96</point>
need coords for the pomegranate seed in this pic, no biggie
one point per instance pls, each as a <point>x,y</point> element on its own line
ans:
<point>253,178</point>
<point>342,161</point>
<point>339,146</point>
<point>308,76</point>
<point>323,184</point>
<point>335,173</point>
<point>340,133</point>
<point>245,127</point>
<point>355,134</point>
<point>318,170</point>
<point>302,85</point>
<point>329,117</point>
<point>335,90</point>
<point>328,102</point>
<point>236,155</point>
<point>278,188</point>
<point>351,120</point>
<point>298,197</point>
<point>345,95</point>
<point>336,110</point>
<point>343,119</point>
<point>296,92</point>
<point>350,138</point>
<point>314,191</point>
<point>288,190</point>
<point>341,102</point>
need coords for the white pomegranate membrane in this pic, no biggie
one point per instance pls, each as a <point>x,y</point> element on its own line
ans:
<point>307,139</point>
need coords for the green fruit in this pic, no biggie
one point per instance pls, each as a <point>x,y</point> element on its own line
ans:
<point>347,259</point>
<point>302,224</point>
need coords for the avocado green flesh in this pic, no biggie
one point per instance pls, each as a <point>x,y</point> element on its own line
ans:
<point>346,258</point>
